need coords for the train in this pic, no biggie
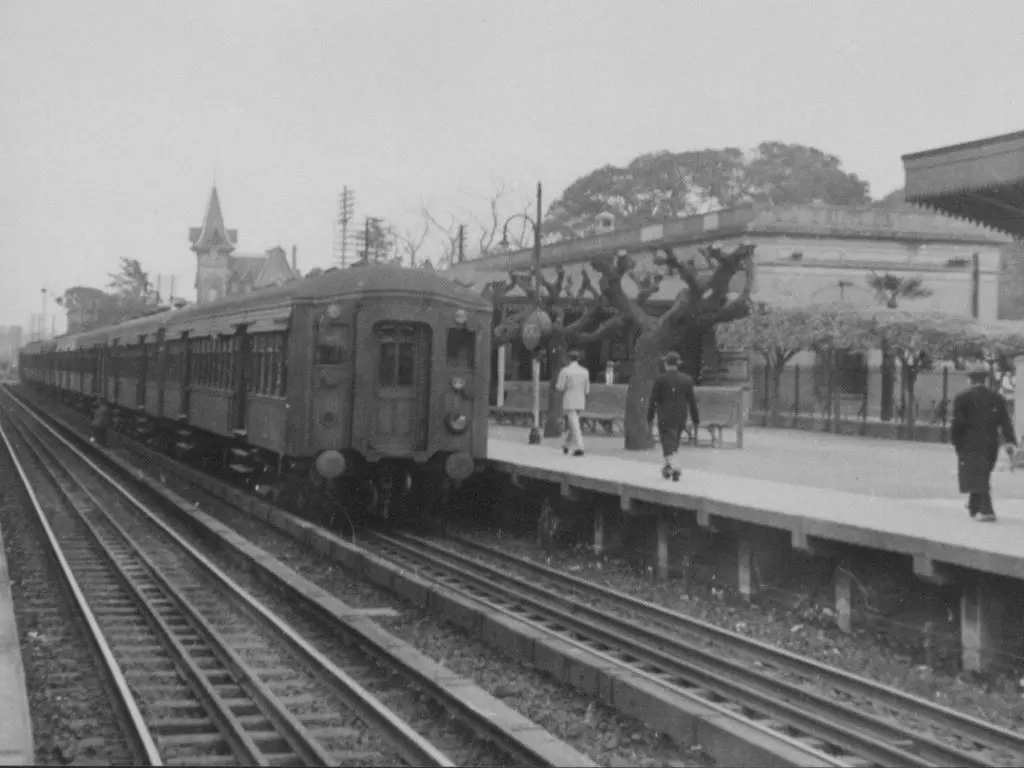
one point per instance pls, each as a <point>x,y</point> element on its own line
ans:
<point>368,384</point>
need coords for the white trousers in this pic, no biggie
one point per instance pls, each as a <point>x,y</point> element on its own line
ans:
<point>574,437</point>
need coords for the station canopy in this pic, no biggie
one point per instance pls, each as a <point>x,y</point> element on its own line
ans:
<point>982,181</point>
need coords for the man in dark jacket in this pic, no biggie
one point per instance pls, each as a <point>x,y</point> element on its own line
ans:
<point>979,415</point>
<point>671,397</point>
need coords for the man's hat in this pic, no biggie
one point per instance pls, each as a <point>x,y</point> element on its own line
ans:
<point>671,358</point>
<point>575,354</point>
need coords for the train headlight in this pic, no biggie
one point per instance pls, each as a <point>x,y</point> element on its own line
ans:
<point>458,384</point>
<point>457,423</point>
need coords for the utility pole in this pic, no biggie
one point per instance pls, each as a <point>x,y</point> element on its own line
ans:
<point>372,236</point>
<point>346,207</point>
<point>462,243</point>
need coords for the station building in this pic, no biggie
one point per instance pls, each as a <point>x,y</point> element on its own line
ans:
<point>805,254</point>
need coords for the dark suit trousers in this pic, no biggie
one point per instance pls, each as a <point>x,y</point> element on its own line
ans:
<point>980,504</point>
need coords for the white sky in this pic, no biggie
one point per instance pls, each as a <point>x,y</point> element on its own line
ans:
<point>115,115</point>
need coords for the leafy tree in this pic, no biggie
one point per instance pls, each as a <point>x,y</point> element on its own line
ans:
<point>664,185</point>
<point>917,339</point>
<point>132,290</point>
<point>778,334</point>
<point>890,290</point>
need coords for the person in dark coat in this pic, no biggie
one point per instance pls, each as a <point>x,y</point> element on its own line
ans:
<point>671,398</point>
<point>979,415</point>
<point>100,422</point>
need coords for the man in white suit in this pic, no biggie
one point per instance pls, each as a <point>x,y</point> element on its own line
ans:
<point>574,384</point>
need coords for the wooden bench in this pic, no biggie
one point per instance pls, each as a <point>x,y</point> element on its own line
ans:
<point>590,422</point>
<point>720,408</point>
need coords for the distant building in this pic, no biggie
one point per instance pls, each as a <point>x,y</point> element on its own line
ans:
<point>86,308</point>
<point>221,272</point>
<point>10,343</point>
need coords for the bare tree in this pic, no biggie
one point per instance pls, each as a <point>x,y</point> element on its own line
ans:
<point>408,245</point>
<point>482,222</point>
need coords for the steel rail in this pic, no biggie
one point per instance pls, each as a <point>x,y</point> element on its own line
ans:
<point>982,733</point>
<point>145,747</point>
<point>241,743</point>
<point>409,744</point>
<point>480,722</point>
<point>855,732</point>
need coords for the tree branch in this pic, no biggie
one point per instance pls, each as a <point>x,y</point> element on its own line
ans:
<point>609,328</point>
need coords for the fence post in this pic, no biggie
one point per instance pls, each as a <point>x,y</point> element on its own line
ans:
<point>864,413</point>
<point>767,397</point>
<point>944,404</point>
<point>830,360</point>
<point>796,396</point>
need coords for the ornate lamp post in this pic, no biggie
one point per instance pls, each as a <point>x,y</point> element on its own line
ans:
<point>537,323</point>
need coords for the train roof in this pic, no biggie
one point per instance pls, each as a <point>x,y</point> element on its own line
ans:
<point>270,308</point>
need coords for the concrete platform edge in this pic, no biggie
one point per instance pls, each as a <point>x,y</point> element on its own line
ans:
<point>16,739</point>
<point>965,556</point>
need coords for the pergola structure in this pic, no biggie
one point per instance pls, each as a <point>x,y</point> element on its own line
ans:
<point>982,181</point>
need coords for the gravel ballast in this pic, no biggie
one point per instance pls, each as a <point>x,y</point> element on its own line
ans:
<point>810,633</point>
<point>73,721</point>
<point>599,732</point>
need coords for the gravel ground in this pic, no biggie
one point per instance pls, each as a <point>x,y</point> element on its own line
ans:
<point>998,700</point>
<point>73,721</point>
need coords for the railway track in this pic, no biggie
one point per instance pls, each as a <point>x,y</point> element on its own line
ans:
<point>204,673</point>
<point>782,692</point>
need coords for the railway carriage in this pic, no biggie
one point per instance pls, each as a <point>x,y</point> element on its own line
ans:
<point>370,381</point>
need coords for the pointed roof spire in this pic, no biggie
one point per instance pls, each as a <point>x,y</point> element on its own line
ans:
<point>213,233</point>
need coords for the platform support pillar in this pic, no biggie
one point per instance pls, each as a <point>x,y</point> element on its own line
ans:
<point>598,530</point>
<point>662,548</point>
<point>844,598</point>
<point>981,613</point>
<point>500,386</point>
<point>745,564</point>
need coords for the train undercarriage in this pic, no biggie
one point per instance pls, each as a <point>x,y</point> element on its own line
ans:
<point>386,492</point>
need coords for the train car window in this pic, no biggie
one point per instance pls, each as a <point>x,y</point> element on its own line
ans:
<point>198,361</point>
<point>256,370</point>
<point>397,359</point>
<point>172,366</point>
<point>332,344</point>
<point>387,374</point>
<point>218,362</point>
<point>461,348</point>
<point>406,363</point>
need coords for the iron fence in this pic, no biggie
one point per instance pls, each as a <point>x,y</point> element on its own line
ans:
<point>832,399</point>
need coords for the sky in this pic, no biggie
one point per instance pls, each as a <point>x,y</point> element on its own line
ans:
<point>117,117</point>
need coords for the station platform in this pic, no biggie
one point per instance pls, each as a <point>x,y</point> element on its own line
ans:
<point>822,495</point>
<point>16,744</point>
<point>897,496</point>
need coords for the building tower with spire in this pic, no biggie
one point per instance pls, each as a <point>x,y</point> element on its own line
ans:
<point>212,244</point>
<point>220,271</point>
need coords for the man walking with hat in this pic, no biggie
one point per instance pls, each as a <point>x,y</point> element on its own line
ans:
<point>671,397</point>
<point>574,384</point>
<point>979,415</point>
